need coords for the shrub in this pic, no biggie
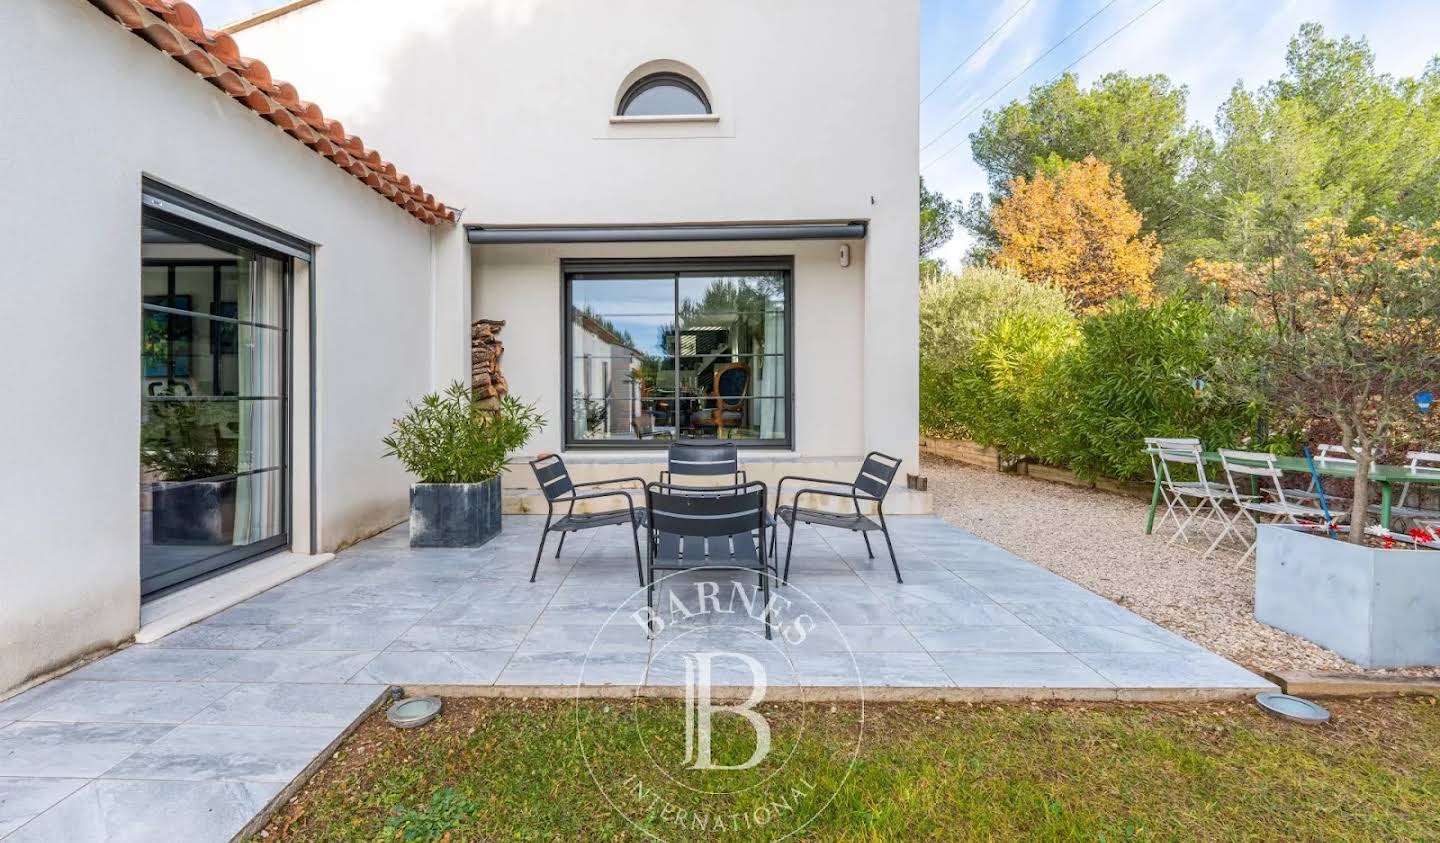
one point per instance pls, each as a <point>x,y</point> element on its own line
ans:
<point>986,337</point>
<point>1147,370</point>
<point>448,438</point>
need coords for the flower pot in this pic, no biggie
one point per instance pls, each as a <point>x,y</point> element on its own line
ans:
<point>454,514</point>
<point>192,513</point>
<point>1375,607</point>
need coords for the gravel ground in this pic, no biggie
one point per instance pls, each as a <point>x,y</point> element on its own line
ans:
<point>1098,540</point>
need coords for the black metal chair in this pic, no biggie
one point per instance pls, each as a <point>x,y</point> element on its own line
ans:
<point>702,460</point>
<point>870,484</point>
<point>557,486</point>
<point>719,528</point>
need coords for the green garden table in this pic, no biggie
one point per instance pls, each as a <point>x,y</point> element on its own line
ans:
<point>1385,476</point>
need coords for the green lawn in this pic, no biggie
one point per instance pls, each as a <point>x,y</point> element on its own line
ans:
<point>514,770</point>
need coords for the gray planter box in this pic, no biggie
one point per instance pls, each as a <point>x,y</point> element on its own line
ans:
<point>454,514</point>
<point>1375,607</point>
<point>192,513</point>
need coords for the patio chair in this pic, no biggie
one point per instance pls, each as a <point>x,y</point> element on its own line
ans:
<point>1201,501</point>
<point>871,483</point>
<point>719,459</point>
<point>557,487</point>
<point>711,528</point>
<point>1280,509</point>
<point>1419,462</point>
<point>1325,454</point>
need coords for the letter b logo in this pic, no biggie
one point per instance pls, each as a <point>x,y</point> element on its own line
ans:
<point>700,709</point>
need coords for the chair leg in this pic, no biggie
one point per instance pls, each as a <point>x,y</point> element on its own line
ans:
<point>544,534</point>
<point>561,546</point>
<point>639,566</point>
<point>789,547</point>
<point>885,531</point>
<point>765,596</point>
<point>864,534</point>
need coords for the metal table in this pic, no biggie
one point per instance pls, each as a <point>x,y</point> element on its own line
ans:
<point>1385,476</point>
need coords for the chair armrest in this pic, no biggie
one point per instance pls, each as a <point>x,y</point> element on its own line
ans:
<point>609,482</point>
<point>603,493</point>
<point>829,493</point>
<point>779,486</point>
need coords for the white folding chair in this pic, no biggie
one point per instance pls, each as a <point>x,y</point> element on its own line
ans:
<point>1279,509</point>
<point>1200,501</point>
<point>1423,463</point>
<point>1324,455</point>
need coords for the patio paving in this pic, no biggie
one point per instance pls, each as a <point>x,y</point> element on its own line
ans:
<point>190,737</point>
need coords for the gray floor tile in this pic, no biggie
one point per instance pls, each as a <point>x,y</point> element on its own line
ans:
<point>727,666</point>
<point>993,639</point>
<point>874,638</point>
<point>1198,669</point>
<point>293,666</point>
<point>1114,639</point>
<point>356,635</point>
<point>71,750</point>
<point>144,662</point>
<point>573,668</point>
<point>289,705</point>
<point>28,702</point>
<point>208,636</point>
<point>446,637</point>
<point>475,667</point>
<point>1089,611</point>
<point>147,811</point>
<point>120,701</point>
<point>22,799</point>
<point>622,635</point>
<point>227,753</point>
<point>504,609</point>
<point>1019,670</point>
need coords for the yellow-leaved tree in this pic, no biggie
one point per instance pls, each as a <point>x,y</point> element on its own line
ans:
<point>1076,231</point>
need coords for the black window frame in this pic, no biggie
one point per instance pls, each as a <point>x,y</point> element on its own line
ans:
<point>664,78</point>
<point>570,267</point>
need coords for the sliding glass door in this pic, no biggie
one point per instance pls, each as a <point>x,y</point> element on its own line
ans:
<point>214,402</point>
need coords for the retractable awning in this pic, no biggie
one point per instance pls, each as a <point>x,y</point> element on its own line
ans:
<point>666,233</point>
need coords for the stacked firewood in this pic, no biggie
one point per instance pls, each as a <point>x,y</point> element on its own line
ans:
<point>486,381</point>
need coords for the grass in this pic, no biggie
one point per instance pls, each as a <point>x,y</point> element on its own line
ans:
<point>514,770</point>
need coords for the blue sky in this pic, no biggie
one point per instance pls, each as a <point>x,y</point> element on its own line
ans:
<point>1206,45</point>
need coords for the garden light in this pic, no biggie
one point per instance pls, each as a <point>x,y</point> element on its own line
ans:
<point>1423,400</point>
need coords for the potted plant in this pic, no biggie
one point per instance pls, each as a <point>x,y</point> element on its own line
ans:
<point>182,445</point>
<point>1351,322</point>
<point>458,449</point>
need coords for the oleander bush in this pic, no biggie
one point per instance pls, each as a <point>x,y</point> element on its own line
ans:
<point>1005,363</point>
<point>986,339</point>
<point>449,438</point>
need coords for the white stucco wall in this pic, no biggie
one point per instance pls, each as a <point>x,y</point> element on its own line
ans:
<point>90,108</point>
<point>503,107</point>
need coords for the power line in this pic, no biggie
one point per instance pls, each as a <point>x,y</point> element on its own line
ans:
<point>976,50</point>
<point>1062,72</point>
<point>1053,48</point>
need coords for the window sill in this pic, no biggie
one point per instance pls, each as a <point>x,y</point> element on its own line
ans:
<point>650,119</point>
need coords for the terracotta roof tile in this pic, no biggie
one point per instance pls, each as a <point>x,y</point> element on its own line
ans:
<point>175,28</point>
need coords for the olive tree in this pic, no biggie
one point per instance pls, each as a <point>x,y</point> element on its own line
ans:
<point>1351,326</point>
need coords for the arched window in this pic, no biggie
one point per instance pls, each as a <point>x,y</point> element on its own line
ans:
<point>663,94</point>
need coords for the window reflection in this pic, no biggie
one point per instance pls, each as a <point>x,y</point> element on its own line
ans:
<point>212,392</point>
<point>685,355</point>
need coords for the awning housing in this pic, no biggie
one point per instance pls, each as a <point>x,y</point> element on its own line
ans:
<point>666,233</point>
